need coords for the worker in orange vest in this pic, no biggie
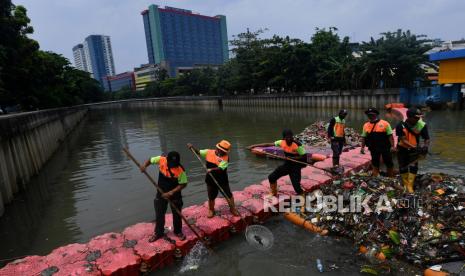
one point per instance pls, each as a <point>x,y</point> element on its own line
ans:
<point>172,179</point>
<point>408,146</point>
<point>377,135</point>
<point>217,165</point>
<point>336,134</point>
<point>292,149</point>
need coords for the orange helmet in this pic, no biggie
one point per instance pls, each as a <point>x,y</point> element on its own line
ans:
<point>224,146</point>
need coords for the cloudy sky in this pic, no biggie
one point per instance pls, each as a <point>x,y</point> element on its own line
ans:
<point>61,24</point>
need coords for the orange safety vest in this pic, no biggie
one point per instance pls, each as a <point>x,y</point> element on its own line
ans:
<point>169,172</point>
<point>339,127</point>
<point>292,149</point>
<point>412,138</point>
<point>381,126</point>
<point>215,159</point>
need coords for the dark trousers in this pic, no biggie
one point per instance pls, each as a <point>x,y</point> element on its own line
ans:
<point>212,188</point>
<point>337,146</point>
<point>291,169</point>
<point>161,205</point>
<point>376,155</point>
<point>405,157</point>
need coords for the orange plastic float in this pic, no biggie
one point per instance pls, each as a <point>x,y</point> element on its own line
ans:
<point>399,112</point>
<point>308,185</point>
<point>394,105</point>
<point>379,255</point>
<point>216,229</point>
<point>153,255</point>
<point>300,221</point>
<point>318,157</point>
<point>32,265</point>
<point>318,175</point>
<point>238,223</point>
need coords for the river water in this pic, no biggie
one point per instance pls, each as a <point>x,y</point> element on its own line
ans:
<point>89,187</point>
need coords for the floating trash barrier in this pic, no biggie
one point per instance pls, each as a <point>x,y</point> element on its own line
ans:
<point>316,143</point>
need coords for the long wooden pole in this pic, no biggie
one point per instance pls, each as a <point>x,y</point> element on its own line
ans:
<point>228,199</point>
<point>296,161</point>
<point>171,203</point>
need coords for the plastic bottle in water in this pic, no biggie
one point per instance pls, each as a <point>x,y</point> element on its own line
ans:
<point>319,265</point>
<point>371,254</point>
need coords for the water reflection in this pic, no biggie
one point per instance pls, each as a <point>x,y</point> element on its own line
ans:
<point>448,141</point>
<point>39,218</point>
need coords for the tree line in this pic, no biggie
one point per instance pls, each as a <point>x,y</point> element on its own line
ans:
<point>37,79</point>
<point>289,65</point>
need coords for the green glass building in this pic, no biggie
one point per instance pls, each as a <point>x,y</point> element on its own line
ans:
<point>179,39</point>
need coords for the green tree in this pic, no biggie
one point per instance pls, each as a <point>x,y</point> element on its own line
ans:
<point>394,59</point>
<point>34,78</point>
<point>332,58</point>
<point>167,87</point>
<point>16,53</point>
<point>248,49</point>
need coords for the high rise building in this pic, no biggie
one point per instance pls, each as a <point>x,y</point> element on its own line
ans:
<point>178,39</point>
<point>79,57</point>
<point>95,56</point>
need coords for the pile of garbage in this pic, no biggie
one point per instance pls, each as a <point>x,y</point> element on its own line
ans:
<point>424,228</point>
<point>316,135</point>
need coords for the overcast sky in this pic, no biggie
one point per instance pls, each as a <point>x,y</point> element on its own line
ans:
<point>61,24</point>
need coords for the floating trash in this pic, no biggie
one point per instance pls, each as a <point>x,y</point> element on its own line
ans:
<point>316,135</point>
<point>424,228</point>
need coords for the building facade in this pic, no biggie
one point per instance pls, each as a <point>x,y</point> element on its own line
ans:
<point>95,56</point>
<point>178,38</point>
<point>448,85</point>
<point>145,74</point>
<point>79,57</point>
<point>120,81</point>
<point>451,66</point>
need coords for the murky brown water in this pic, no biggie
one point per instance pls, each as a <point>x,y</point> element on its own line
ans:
<point>89,187</point>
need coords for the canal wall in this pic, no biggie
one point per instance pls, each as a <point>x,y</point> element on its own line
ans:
<point>27,141</point>
<point>354,99</point>
<point>184,101</point>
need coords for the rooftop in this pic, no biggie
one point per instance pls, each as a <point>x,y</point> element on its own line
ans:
<point>444,55</point>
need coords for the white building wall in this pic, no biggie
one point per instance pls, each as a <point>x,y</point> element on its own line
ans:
<point>109,62</point>
<point>88,59</point>
<point>80,59</point>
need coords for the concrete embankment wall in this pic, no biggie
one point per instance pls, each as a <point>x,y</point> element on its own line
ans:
<point>27,141</point>
<point>207,101</point>
<point>357,99</point>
